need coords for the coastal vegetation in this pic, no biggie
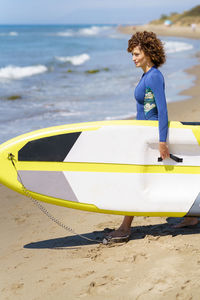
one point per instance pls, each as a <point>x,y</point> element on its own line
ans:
<point>186,18</point>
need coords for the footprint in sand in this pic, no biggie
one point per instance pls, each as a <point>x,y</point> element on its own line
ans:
<point>17,286</point>
<point>101,285</point>
<point>84,275</point>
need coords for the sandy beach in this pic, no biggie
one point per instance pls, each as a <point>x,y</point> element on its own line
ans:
<point>162,30</point>
<point>41,261</point>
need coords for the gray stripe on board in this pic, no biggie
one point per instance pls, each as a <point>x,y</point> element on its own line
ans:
<point>49,183</point>
<point>195,209</point>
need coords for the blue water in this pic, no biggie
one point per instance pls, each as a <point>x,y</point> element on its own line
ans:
<point>47,67</point>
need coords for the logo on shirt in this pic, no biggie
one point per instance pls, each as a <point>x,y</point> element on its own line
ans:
<point>149,101</point>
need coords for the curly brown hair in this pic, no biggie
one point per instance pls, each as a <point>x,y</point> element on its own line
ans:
<point>150,44</point>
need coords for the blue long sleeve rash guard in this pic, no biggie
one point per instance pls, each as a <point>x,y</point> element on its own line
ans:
<point>151,101</point>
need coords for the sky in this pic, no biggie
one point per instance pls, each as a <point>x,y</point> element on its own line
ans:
<point>88,11</point>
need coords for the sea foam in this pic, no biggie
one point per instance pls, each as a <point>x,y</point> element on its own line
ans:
<point>65,33</point>
<point>86,31</point>
<point>94,30</point>
<point>11,33</point>
<point>14,72</point>
<point>74,60</point>
<point>172,47</point>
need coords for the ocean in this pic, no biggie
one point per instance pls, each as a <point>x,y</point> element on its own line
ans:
<point>58,74</point>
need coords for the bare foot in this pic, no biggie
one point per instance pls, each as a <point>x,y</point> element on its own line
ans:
<point>187,221</point>
<point>120,232</point>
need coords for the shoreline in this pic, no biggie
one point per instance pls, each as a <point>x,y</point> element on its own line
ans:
<point>173,30</point>
<point>188,109</point>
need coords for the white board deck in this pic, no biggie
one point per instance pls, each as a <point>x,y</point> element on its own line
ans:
<point>108,167</point>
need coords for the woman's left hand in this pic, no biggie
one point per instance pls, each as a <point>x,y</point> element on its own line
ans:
<point>164,151</point>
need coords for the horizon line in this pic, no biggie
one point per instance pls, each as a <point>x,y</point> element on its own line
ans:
<point>61,24</point>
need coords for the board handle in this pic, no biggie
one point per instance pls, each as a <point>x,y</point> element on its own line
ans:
<point>175,158</point>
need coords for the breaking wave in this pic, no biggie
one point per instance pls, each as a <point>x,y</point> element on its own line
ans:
<point>86,31</point>
<point>11,33</point>
<point>74,60</point>
<point>14,72</point>
<point>172,47</point>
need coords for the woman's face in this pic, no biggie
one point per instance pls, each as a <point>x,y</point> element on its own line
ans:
<point>140,59</point>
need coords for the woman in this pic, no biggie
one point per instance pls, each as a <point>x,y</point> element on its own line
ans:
<point>148,53</point>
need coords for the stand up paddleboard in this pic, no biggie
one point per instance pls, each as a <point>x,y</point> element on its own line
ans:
<point>109,167</point>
